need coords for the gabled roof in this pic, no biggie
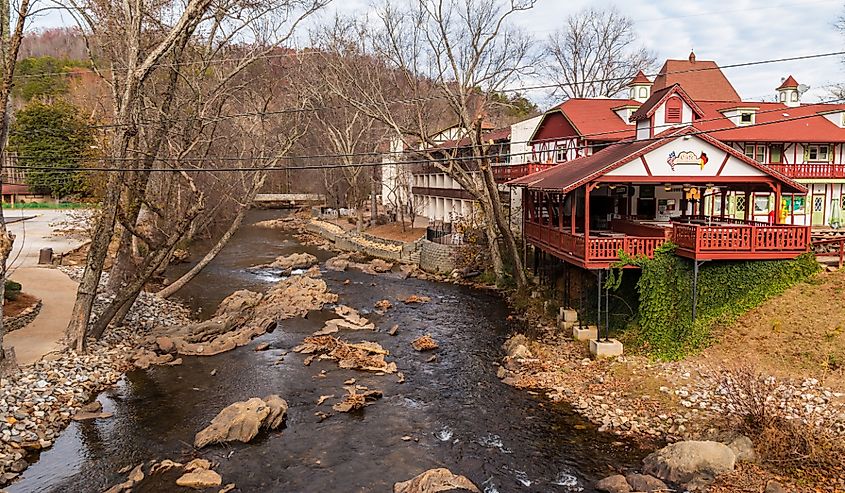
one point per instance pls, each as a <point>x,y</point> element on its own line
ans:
<point>657,98</point>
<point>595,119</point>
<point>774,122</point>
<point>495,136</point>
<point>573,174</point>
<point>640,78</point>
<point>703,80</point>
<point>789,83</point>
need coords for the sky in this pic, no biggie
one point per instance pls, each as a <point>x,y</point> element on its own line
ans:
<point>727,31</point>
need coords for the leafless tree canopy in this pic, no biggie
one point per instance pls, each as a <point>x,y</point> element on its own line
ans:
<point>595,54</point>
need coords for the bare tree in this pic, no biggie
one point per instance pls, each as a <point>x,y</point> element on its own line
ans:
<point>448,58</point>
<point>13,19</point>
<point>595,54</point>
<point>202,53</point>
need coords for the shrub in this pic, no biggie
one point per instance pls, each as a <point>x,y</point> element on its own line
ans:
<point>12,290</point>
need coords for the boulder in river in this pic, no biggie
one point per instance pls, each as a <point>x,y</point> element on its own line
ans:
<point>613,484</point>
<point>645,483</point>
<point>368,356</point>
<point>199,479</point>
<point>241,421</point>
<point>424,343</point>
<point>434,481</point>
<point>286,264</point>
<point>693,464</point>
<point>339,263</point>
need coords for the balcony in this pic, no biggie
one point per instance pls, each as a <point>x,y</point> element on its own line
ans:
<point>811,170</point>
<point>697,238</point>
<point>506,172</point>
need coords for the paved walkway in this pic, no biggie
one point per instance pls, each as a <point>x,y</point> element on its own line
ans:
<point>44,335</point>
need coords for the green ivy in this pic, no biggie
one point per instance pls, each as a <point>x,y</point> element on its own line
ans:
<point>726,290</point>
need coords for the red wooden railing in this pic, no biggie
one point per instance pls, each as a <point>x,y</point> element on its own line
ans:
<point>507,172</point>
<point>737,239</point>
<point>716,241</point>
<point>811,170</point>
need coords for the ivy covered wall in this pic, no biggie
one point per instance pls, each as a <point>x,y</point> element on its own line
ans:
<point>725,290</point>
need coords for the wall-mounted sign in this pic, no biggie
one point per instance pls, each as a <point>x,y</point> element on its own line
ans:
<point>686,158</point>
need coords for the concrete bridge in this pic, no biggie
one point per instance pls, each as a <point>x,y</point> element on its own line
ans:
<point>285,200</point>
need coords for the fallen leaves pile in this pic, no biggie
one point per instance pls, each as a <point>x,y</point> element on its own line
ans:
<point>367,356</point>
<point>424,343</point>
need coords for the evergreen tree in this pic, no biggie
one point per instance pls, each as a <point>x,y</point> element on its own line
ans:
<point>46,136</point>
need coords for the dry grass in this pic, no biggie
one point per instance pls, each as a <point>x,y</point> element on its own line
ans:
<point>800,334</point>
<point>393,231</point>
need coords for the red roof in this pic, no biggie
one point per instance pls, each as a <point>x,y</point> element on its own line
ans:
<point>594,119</point>
<point>640,78</point>
<point>702,80</point>
<point>499,135</point>
<point>573,174</point>
<point>657,98</point>
<point>774,122</point>
<point>789,83</point>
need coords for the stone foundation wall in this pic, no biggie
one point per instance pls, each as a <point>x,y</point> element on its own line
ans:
<point>22,319</point>
<point>437,258</point>
<point>352,241</point>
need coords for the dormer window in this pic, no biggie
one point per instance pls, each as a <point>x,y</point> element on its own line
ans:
<point>782,97</point>
<point>643,92</point>
<point>746,118</point>
<point>673,110</point>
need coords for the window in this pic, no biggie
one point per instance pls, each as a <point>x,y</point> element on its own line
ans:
<point>782,97</point>
<point>756,152</point>
<point>633,93</point>
<point>673,110</point>
<point>746,118</point>
<point>818,203</point>
<point>643,92</point>
<point>794,97</point>
<point>776,153</point>
<point>560,153</point>
<point>740,203</point>
<point>817,153</point>
<point>761,204</point>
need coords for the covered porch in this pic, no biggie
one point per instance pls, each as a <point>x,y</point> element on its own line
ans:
<point>589,210</point>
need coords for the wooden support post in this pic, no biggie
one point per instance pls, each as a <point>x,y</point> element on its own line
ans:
<point>587,221</point>
<point>777,203</point>
<point>724,203</point>
<point>748,204</point>
<point>572,210</point>
<point>560,212</point>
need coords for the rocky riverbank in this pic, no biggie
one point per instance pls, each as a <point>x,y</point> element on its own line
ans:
<point>636,397</point>
<point>39,401</point>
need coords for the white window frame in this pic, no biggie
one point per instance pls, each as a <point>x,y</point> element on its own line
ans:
<point>564,149</point>
<point>749,114</point>
<point>818,148</point>
<point>758,152</point>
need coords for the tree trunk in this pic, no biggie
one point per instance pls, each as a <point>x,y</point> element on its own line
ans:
<point>504,229</point>
<point>178,284</point>
<point>373,201</point>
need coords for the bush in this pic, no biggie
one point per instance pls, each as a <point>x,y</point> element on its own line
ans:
<point>753,407</point>
<point>12,291</point>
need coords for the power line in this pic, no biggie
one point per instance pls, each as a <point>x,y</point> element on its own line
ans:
<point>439,149</point>
<point>506,90</point>
<point>358,165</point>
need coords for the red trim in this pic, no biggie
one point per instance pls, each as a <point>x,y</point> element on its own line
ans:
<point>719,173</point>
<point>684,179</point>
<point>645,165</point>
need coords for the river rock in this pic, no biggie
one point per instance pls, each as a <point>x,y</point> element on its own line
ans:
<point>199,479</point>
<point>645,483</point>
<point>165,344</point>
<point>743,449</point>
<point>241,421</point>
<point>435,480</point>
<point>144,358</point>
<point>774,487</point>
<point>286,264</point>
<point>613,484</point>
<point>692,463</point>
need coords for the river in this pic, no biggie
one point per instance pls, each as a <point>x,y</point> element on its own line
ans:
<point>459,415</point>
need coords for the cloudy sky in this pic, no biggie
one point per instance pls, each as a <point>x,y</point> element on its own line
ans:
<point>727,31</point>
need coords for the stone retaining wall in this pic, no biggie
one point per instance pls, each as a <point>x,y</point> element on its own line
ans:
<point>352,241</point>
<point>437,258</point>
<point>22,319</point>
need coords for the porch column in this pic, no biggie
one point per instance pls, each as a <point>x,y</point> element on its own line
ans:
<point>587,220</point>
<point>572,212</point>
<point>560,212</point>
<point>724,202</point>
<point>748,204</point>
<point>777,203</point>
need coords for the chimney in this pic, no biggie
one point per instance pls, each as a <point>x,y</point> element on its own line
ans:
<point>788,92</point>
<point>692,56</point>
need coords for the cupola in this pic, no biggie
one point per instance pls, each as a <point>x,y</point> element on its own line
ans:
<point>640,87</point>
<point>789,93</point>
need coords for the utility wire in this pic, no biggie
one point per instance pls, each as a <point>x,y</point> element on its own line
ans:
<point>377,164</point>
<point>784,110</point>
